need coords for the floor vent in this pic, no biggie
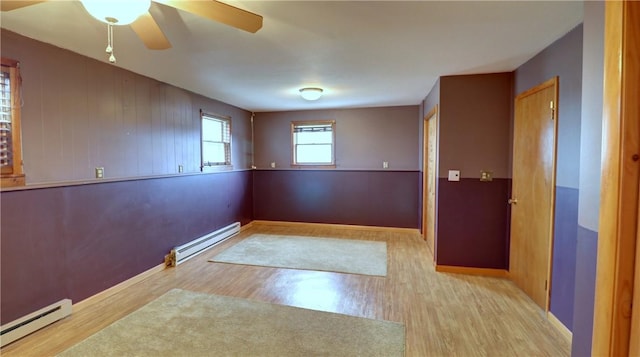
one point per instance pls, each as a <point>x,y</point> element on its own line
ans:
<point>34,321</point>
<point>189,250</point>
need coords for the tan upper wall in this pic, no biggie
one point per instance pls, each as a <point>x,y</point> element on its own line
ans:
<point>365,137</point>
<point>474,126</point>
<point>79,114</point>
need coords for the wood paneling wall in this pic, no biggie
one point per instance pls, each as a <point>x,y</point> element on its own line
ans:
<point>79,114</point>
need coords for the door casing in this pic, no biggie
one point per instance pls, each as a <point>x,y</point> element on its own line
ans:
<point>429,178</point>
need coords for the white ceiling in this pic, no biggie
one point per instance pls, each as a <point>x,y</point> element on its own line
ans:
<point>363,53</point>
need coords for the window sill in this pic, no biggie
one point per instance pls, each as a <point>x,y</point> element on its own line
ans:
<point>217,168</point>
<point>312,166</point>
<point>12,181</point>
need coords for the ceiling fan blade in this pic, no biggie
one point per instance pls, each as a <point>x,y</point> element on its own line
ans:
<point>150,33</point>
<point>221,12</point>
<point>12,5</point>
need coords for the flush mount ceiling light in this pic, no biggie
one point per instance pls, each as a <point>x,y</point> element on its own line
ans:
<point>311,93</point>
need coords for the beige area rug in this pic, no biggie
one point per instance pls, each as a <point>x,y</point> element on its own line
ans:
<point>295,252</point>
<point>184,323</point>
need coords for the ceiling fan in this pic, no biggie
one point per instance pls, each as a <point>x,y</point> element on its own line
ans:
<point>136,14</point>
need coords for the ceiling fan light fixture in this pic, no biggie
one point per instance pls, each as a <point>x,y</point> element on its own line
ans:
<point>116,12</point>
<point>311,93</point>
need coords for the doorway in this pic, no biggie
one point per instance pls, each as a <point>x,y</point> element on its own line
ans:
<point>429,179</point>
<point>533,190</point>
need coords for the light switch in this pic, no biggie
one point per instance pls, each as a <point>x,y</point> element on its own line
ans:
<point>454,175</point>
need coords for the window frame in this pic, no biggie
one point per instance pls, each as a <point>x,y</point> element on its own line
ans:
<point>216,166</point>
<point>294,162</point>
<point>13,175</point>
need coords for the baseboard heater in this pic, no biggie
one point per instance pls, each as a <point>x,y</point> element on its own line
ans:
<point>34,321</point>
<point>189,250</point>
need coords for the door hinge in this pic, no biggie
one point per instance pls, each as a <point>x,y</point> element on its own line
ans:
<point>553,110</point>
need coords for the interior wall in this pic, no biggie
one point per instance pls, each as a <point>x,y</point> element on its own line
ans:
<point>365,137</point>
<point>563,58</point>
<point>367,198</point>
<point>590,169</point>
<point>72,240</point>
<point>474,135</point>
<point>80,113</point>
<point>359,190</point>
<point>475,122</point>
<point>76,241</point>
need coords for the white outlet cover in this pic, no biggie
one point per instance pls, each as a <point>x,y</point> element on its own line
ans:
<point>454,175</point>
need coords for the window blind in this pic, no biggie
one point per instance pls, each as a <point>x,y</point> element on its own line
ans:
<point>6,147</point>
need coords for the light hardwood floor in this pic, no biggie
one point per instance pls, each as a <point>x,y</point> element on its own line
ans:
<point>444,314</point>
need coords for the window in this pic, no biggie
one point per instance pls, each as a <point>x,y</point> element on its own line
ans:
<point>216,140</point>
<point>10,140</point>
<point>313,143</point>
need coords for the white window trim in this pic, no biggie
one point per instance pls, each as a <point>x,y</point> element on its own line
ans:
<point>209,166</point>
<point>294,162</point>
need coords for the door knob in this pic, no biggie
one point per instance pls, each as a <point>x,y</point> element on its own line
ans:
<point>513,201</point>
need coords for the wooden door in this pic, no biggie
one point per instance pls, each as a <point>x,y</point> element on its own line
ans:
<point>533,193</point>
<point>429,180</point>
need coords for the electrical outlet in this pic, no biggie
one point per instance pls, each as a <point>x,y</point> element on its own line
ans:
<point>273,164</point>
<point>486,176</point>
<point>99,172</point>
<point>385,164</point>
<point>180,168</point>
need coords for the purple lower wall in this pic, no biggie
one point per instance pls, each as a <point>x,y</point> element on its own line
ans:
<point>585,288</point>
<point>472,216</point>
<point>370,198</point>
<point>564,255</point>
<point>75,241</point>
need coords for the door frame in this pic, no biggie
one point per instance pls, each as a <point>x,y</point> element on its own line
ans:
<point>620,174</point>
<point>552,82</point>
<point>433,113</point>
